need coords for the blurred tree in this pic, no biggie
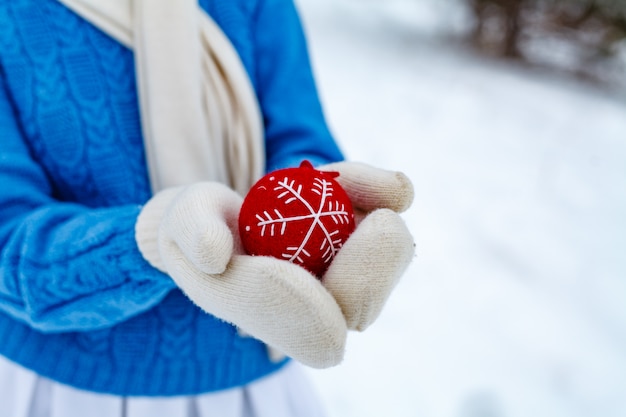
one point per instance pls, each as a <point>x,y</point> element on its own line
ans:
<point>498,25</point>
<point>599,23</point>
<point>595,28</point>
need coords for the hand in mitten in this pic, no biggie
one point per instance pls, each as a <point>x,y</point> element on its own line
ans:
<point>372,260</point>
<point>191,234</point>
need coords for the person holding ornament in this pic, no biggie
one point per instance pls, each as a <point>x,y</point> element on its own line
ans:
<point>130,131</point>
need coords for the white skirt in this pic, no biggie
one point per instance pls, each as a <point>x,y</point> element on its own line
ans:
<point>285,393</point>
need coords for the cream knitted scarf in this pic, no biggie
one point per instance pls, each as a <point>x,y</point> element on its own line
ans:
<point>199,114</point>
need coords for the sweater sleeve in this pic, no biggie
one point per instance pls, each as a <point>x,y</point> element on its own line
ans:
<point>294,121</point>
<point>64,266</point>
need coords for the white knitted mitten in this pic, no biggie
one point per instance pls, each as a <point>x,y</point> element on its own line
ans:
<point>372,260</point>
<point>191,234</point>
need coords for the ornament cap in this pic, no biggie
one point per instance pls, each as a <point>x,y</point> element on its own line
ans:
<point>308,165</point>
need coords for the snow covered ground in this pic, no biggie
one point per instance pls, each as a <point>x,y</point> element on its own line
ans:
<point>516,303</point>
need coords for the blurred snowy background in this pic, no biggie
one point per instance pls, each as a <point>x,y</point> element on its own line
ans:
<point>516,303</point>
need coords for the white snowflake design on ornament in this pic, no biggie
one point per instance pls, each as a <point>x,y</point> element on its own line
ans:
<point>291,192</point>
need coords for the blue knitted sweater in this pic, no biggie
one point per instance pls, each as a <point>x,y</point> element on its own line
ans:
<point>78,303</point>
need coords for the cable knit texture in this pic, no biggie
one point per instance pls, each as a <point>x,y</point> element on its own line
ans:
<point>78,303</point>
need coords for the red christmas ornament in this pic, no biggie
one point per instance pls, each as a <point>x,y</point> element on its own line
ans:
<point>298,214</point>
